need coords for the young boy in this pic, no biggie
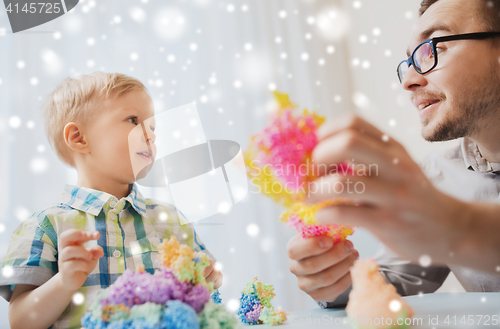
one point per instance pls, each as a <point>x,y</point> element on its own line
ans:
<point>102,125</point>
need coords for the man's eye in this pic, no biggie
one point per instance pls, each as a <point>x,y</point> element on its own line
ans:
<point>439,50</point>
<point>152,129</point>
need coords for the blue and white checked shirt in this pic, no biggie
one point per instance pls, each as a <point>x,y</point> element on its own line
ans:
<point>130,231</point>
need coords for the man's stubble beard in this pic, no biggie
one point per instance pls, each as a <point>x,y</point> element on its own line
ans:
<point>476,106</point>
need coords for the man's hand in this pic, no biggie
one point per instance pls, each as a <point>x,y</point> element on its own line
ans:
<point>395,199</point>
<point>75,261</point>
<point>322,268</point>
<point>213,275</point>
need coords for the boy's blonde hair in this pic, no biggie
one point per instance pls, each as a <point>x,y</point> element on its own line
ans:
<point>79,100</point>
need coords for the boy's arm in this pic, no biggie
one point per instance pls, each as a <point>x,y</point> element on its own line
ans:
<point>38,307</point>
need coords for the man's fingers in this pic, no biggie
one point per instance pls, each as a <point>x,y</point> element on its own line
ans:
<point>299,248</point>
<point>97,252</point>
<point>218,282</point>
<point>361,189</point>
<point>74,236</point>
<point>350,145</point>
<point>213,276</point>
<point>329,294</point>
<point>75,252</point>
<point>328,276</point>
<point>318,263</point>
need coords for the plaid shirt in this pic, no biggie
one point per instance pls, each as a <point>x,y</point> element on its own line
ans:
<point>130,231</point>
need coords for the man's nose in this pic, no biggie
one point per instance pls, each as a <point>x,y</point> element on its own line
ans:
<point>413,80</point>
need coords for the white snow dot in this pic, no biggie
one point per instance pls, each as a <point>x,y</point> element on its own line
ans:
<point>21,65</point>
<point>230,8</point>
<point>376,31</point>
<point>252,230</point>
<point>212,80</point>
<point>204,99</point>
<point>409,15</point>
<point>39,165</point>
<point>321,61</point>
<point>392,122</point>
<point>244,8</point>
<point>282,14</point>
<point>365,64</point>
<point>283,56</point>
<point>163,216</point>
<point>218,266</point>
<point>237,84</point>
<point>224,207</point>
<point>134,56</point>
<point>356,4</point>
<point>425,260</point>
<point>171,58</point>
<point>308,36</point>
<point>355,61</point>
<point>248,46</point>
<point>90,63</point>
<point>117,19</point>
<point>304,57</point>
<point>330,49</point>
<point>363,38</point>
<point>14,122</point>
<point>21,213</point>
<point>233,305</point>
<point>388,53</point>
<point>34,81</point>
<point>483,299</point>
<point>57,35</point>
<point>8,271</point>
<point>395,305</point>
<point>2,228</point>
<point>337,99</point>
<point>385,138</point>
<point>311,20</point>
<point>78,298</point>
<point>30,124</point>
<point>272,86</point>
<point>278,39</point>
<point>193,47</point>
<point>90,41</point>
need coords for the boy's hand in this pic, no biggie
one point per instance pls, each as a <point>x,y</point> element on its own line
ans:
<point>321,267</point>
<point>213,275</point>
<point>75,261</point>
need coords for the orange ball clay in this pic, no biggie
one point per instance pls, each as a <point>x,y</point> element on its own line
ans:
<point>374,303</point>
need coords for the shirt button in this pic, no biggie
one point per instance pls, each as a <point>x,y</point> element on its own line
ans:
<point>112,204</point>
<point>112,216</point>
<point>117,253</point>
<point>156,244</point>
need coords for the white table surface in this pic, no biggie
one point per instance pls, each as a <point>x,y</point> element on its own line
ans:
<point>476,307</point>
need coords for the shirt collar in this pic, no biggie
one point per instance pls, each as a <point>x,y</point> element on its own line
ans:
<point>92,201</point>
<point>474,160</point>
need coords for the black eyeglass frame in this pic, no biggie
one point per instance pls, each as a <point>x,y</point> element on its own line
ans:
<point>434,41</point>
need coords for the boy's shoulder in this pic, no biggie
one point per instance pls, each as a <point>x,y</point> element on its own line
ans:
<point>162,210</point>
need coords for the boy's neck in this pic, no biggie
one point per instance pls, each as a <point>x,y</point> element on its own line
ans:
<point>119,190</point>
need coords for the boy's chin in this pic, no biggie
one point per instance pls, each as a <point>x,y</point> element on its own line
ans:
<point>143,172</point>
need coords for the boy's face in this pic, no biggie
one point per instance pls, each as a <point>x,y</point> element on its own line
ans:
<point>121,138</point>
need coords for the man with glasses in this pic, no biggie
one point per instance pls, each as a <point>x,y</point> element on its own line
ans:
<point>443,216</point>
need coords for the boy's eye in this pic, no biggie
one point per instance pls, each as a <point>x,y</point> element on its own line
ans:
<point>134,120</point>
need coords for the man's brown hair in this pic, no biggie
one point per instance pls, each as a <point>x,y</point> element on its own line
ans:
<point>488,14</point>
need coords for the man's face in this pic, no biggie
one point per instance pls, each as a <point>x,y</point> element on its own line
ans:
<point>120,146</point>
<point>464,88</point>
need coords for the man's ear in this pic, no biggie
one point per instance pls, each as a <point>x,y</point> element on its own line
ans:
<point>74,138</point>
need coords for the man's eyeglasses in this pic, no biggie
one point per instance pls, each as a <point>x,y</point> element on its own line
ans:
<point>425,57</point>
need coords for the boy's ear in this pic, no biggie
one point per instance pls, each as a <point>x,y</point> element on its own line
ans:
<point>74,137</point>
